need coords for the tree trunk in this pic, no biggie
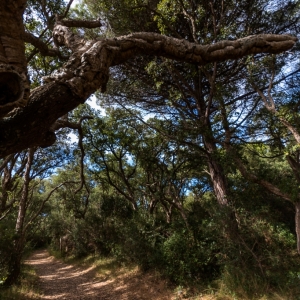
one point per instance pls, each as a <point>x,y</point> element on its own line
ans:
<point>24,195</point>
<point>221,192</point>
<point>19,242</point>
<point>15,263</point>
<point>14,83</point>
<point>297,224</point>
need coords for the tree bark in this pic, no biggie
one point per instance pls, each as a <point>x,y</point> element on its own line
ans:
<point>30,126</point>
<point>24,195</point>
<point>15,263</point>
<point>221,191</point>
<point>19,242</point>
<point>14,83</point>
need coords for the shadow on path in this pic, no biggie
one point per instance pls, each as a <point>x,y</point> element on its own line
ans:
<point>67,282</point>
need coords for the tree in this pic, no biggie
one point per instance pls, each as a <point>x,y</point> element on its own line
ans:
<point>23,199</point>
<point>214,103</point>
<point>86,70</point>
<point>139,163</point>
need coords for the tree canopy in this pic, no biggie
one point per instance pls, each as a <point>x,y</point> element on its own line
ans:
<point>87,68</point>
<point>193,170</point>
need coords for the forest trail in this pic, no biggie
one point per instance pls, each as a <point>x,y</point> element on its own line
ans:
<point>61,281</point>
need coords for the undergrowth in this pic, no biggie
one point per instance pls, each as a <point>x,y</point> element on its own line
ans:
<point>27,289</point>
<point>230,286</point>
<point>103,265</point>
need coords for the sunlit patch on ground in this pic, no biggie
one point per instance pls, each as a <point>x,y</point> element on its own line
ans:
<point>61,281</point>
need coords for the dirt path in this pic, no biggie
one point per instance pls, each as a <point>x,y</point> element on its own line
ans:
<point>67,282</point>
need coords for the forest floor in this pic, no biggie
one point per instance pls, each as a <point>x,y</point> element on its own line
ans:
<point>100,279</point>
<point>61,281</point>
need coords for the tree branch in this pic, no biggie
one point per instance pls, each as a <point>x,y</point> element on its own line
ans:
<point>42,46</point>
<point>43,203</point>
<point>267,185</point>
<point>67,8</point>
<point>81,23</point>
<point>87,70</point>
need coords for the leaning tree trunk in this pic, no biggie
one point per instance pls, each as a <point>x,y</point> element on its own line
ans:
<point>19,241</point>
<point>221,191</point>
<point>14,83</point>
<point>15,262</point>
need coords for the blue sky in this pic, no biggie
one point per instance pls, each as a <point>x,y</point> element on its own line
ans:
<point>75,2</point>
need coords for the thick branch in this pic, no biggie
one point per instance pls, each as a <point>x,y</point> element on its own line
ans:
<point>88,70</point>
<point>156,44</point>
<point>5,162</point>
<point>81,23</point>
<point>24,195</point>
<point>30,125</point>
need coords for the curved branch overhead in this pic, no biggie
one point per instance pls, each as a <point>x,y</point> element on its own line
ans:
<point>87,70</point>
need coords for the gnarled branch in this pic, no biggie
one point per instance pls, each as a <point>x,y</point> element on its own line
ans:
<point>87,70</point>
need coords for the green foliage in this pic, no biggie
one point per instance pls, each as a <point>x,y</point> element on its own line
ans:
<point>129,161</point>
<point>168,12</point>
<point>189,260</point>
<point>39,18</point>
<point>27,289</point>
<point>258,265</point>
<point>150,183</point>
<point>6,246</point>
